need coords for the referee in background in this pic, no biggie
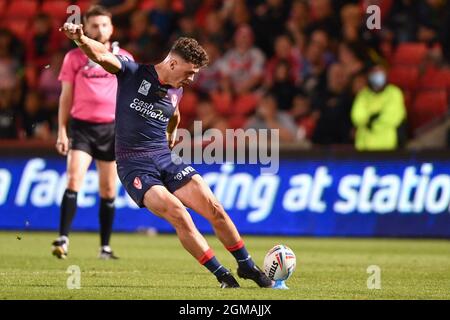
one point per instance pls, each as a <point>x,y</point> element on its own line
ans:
<point>88,97</point>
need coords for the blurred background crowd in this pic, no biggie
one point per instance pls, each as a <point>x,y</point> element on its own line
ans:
<point>301,66</point>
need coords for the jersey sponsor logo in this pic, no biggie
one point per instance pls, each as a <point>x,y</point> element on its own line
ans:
<point>147,110</point>
<point>145,87</point>
<point>184,173</point>
<point>137,183</point>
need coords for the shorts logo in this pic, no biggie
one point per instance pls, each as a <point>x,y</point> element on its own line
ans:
<point>137,183</point>
<point>145,87</point>
<point>184,173</point>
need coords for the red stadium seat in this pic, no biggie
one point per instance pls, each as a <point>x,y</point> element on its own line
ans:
<point>3,4</point>
<point>21,9</point>
<point>406,77</point>
<point>20,27</point>
<point>56,8</point>
<point>222,103</point>
<point>410,54</point>
<point>436,79</point>
<point>188,104</point>
<point>428,105</point>
<point>146,5</point>
<point>237,122</point>
<point>245,104</point>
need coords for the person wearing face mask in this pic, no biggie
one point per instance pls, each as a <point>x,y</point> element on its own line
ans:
<point>378,112</point>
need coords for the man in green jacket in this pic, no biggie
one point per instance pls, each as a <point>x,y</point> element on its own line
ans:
<point>377,113</point>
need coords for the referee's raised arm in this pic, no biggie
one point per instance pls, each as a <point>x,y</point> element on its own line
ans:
<point>95,50</point>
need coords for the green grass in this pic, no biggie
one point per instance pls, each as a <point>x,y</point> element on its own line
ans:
<point>158,268</point>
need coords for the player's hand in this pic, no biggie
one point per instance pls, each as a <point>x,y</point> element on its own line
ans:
<point>62,144</point>
<point>72,31</point>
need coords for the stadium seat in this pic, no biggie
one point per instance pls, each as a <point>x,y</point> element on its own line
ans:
<point>21,9</point>
<point>435,79</point>
<point>56,9</point>
<point>222,103</point>
<point>3,4</point>
<point>428,105</point>
<point>146,5</point>
<point>237,122</point>
<point>17,26</point>
<point>245,104</point>
<point>406,77</point>
<point>188,104</point>
<point>410,54</point>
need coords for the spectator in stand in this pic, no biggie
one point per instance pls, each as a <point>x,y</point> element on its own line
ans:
<point>283,87</point>
<point>299,19</point>
<point>208,79</point>
<point>9,86</point>
<point>186,28</point>
<point>213,30</point>
<point>120,10</point>
<point>43,41</point>
<point>36,120</point>
<point>269,117</point>
<point>284,50</point>
<point>243,65</point>
<point>143,38</point>
<point>352,57</point>
<point>325,18</point>
<point>209,118</point>
<point>378,113</point>
<point>164,18</point>
<point>314,63</point>
<point>269,18</point>
<point>49,86</point>
<point>333,104</point>
<point>352,22</point>
<point>303,116</point>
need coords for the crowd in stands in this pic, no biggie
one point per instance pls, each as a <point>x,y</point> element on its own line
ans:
<point>293,65</point>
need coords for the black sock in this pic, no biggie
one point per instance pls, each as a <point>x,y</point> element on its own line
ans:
<point>68,209</point>
<point>107,210</point>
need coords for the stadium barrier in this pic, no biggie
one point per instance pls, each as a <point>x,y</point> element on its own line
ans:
<point>314,193</point>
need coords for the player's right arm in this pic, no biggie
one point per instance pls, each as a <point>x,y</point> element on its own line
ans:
<point>95,50</point>
<point>65,104</point>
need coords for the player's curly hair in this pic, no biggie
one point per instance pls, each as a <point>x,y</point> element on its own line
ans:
<point>191,51</point>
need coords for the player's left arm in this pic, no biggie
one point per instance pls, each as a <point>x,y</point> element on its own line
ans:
<point>172,128</point>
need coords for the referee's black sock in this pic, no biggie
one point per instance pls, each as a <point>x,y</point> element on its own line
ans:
<point>107,211</point>
<point>68,209</point>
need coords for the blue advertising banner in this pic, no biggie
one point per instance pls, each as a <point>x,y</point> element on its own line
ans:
<point>326,197</point>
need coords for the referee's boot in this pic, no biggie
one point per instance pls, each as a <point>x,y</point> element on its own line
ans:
<point>107,254</point>
<point>255,274</point>
<point>60,247</point>
<point>227,281</point>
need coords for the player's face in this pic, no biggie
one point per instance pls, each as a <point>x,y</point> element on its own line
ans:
<point>99,28</point>
<point>183,73</point>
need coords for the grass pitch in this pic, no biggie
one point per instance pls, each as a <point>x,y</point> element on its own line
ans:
<point>158,268</point>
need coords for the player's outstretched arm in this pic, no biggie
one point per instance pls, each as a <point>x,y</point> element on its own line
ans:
<point>95,50</point>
